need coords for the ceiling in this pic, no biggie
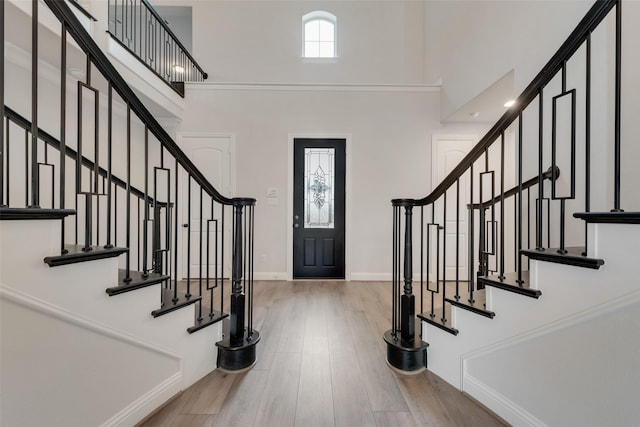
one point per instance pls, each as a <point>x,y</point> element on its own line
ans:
<point>488,106</point>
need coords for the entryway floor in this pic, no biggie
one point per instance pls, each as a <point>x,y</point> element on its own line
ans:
<point>321,362</point>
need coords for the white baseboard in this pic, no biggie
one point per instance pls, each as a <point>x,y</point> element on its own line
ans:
<point>355,277</point>
<point>371,277</point>
<point>269,276</point>
<point>500,404</point>
<point>145,404</point>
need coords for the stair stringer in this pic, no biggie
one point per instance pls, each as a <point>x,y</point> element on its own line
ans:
<point>567,292</point>
<point>79,289</point>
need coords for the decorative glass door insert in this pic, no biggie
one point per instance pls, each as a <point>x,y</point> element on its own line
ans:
<point>319,178</point>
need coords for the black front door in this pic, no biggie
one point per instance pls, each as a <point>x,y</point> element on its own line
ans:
<point>318,208</point>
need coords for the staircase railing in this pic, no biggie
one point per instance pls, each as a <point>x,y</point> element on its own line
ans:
<point>138,27</point>
<point>472,229</point>
<point>136,194</point>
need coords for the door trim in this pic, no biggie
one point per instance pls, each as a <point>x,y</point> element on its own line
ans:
<point>347,208</point>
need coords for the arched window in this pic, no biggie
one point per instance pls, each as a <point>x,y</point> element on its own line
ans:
<point>319,35</point>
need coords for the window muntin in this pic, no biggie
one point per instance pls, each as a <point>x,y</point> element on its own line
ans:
<point>319,35</point>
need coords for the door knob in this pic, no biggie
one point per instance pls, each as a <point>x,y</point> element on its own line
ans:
<point>185,225</point>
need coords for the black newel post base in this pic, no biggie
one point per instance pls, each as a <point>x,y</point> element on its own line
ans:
<point>240,355</point>
<point>410,358</point>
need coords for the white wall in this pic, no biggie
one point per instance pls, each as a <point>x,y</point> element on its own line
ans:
<point>390,156</point>
<point>471,44</point>
<point>260,41</point>
<point>89,358</point>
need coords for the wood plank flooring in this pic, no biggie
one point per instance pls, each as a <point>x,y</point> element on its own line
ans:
<point>321,362</point>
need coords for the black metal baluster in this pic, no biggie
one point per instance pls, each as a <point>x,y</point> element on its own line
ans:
<point>115,217</point>
<point>394,264</point>
<point>222,259</point>
<point>250,273</point>
<point>3,129</point>
<point>422,260</point>
<point>502,206</point>
<point>96,165</point>
<point>188,294</point>
<point>471,245</point>
<point>63,128</point>
<point>587,143</point>
<point>208,255</point>
<point>200,256</point>
<point>618,96</point>
<point>4,122</point>
<point>528,222</point>
<point>35,179</point>
<point>175,240</point>
<point>428,277</point>
<point>245,258</point>
<point>444,257</point>
<point>516,221</point>
<point>540,178</point>
<point>87,222</point>
<point>109,162</point>
<point>217,279</point>
<point>26,166</point>
<point>457,296</point>
<point>8,148</point>
<point>519,216</point>
<point>127,277</point>
<point>138,231</point>
<point>145,249</point>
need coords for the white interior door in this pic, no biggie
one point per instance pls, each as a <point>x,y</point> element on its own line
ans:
<point>447,152</point>
<point>213,156</point>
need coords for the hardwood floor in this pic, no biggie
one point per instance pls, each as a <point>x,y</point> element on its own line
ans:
<point>321,362</point>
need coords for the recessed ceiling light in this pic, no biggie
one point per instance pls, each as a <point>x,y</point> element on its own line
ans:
<point>475,114</point>
<point>509,103</point>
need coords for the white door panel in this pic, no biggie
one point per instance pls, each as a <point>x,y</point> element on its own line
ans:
<point>447,152</point>
<point>212,155</point>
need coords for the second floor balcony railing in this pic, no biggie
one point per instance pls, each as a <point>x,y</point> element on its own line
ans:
<point>138,27</point>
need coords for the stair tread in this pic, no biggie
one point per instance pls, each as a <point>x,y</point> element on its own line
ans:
<point>609,217</point>
<point>207,319</point>
<point>436,319</point>
<point>477,305</point>
<point>7,213</point>
<point>509,282</point>
<point>75,254</point>
<point>138,281</point>
<point>573,256</point>
<point>168,304</point>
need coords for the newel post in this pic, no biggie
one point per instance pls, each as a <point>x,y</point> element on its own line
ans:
<point>237,350</point>
<point>405,353</point>
<point>408,300</point>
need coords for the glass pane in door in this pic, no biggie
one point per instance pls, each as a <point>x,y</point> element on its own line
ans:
<point>319,176</point>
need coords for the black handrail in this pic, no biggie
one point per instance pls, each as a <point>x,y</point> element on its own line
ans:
<point>591,20</point>
<point>100,61</point>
